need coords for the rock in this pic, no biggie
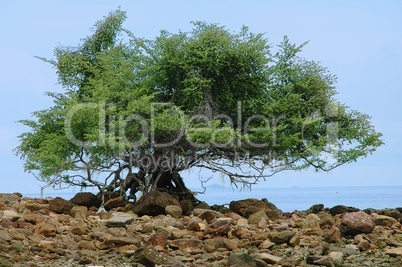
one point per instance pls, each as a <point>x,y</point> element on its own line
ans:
<point>154,203</point>
<point>207,214</point>
<point>220,226</point>
<point>149,256</point>
<point>220,208</point>
<point>8,224</point>
<point>312,221</point>
<point>5,236</point>
<point>266,244</point>
<point>241,260</point>
<point>295,240</point>
<point>326,220</point>
<point>78,230</point>
<point>45,229</point>
<point>341,209</point>
<point>320,260</point>
<point>241,206</point>
<point>316,208</point>
<point>128,250</point>
<point>383,220</point>
<point>337,257</point>
<point>122,240</point>
<point>120,219</point>
<point>37,206</point>
<point>251,210</point>
<point>394,213</point>
<point>115,202</point>
<point>174,211</point>
<point>332,235</point>
<point>365,246</point>
<point>184,243</point>
<point>196,224</point>
<point>394,252</point>
<point>79,212</point>
<point>268,258</point>
<point>33,218</point>
<point>86,199</point>
<point>186,206</point>
<point>47,244</point>
<point>60,205</point>
<point>158,239</point>
<point>10,199</point>
<point>354,223</point>
<point>257,217</point>
<point>9,215</point>
<point>88,245</point>
<point>231,244</point>
<point>179,233</point>
<point>283,237</point>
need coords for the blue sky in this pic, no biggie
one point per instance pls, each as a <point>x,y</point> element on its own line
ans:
<point>359,41</point>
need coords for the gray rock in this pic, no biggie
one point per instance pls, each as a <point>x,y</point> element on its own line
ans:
<point>283,237</point>
<point>9,215</point>
<point>174,211</point>
<point>241,260</point>
<point>120,219</point>
<point>255,218</point>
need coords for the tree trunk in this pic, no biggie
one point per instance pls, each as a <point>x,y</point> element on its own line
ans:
<point>173,183</point>
<point>165,181</point>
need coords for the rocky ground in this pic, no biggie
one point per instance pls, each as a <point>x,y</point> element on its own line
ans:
<point>57,232</point>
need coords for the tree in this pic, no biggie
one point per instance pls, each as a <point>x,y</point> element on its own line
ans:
<point>135,113</point>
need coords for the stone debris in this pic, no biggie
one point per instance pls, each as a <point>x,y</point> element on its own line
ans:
<point>57,232</point>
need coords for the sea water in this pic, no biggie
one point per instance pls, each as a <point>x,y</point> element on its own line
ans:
<point>294,198</point>
<point>302,198</point>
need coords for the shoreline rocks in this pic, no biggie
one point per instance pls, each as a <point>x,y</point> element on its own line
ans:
<point>57,232</point>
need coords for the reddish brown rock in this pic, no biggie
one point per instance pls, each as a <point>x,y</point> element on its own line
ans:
<point>332,235</point>
<point>154,203</point>
<point>174,211</point>
<point>220,226</point>
<point>231,244</point>
<point>60,205</point>
<point>354,223</point>
<point>207,214</point>
<point>383,220</point>
<point>88,245</point>
<point>249,206</point>
<point>40,205</point>
<point>184,243</point>
<point>115,202</point>
<point>45,229</point>
<point>158,239</point>
<point>195,224</point>
<point>268,258</point>
<point>79,212</point>
<point>8,224</point>
<point>86,199</point>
